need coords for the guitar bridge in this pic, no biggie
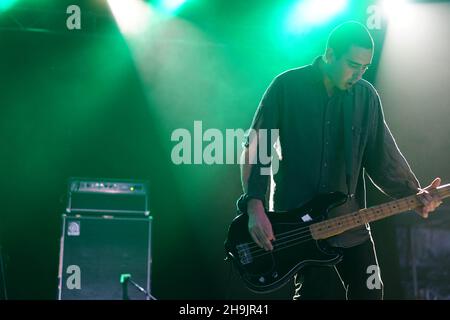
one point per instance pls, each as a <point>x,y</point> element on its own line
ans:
<point>244,253</point>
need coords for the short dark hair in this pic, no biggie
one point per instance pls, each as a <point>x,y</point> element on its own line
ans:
<point>347,34</point>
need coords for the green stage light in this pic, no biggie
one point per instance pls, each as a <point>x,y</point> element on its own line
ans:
<point>6,4</point>
<point>308,13</point>
<point>171,6</point>
<point>132,16</point>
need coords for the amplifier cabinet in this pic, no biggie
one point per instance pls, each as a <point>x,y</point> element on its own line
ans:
<point>96,251</point>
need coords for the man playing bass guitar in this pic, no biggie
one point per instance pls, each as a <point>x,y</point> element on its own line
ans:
<point>307,106</point>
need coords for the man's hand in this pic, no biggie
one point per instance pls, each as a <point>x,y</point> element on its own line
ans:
<point>259,225</point>
<point>430,202</point>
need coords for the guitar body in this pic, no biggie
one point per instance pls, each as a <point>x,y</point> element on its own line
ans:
<point>293,249</point>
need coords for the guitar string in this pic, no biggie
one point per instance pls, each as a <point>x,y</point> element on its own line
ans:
<point>281,248</point>
<point>281,235</point>
<point>306,239</point>
<point>284,235</point>
<point>350,218</point>
<point>279,240</point>
<point>303,239</point>
<point>282,245</point>
<point>304,232</point>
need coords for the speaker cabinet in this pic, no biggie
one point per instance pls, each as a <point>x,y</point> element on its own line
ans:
<point>97,251</point>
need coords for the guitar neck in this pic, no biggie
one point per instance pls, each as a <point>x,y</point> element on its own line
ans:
<point>331,227</point>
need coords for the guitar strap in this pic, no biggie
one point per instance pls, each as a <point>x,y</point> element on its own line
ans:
<point>348,106</point>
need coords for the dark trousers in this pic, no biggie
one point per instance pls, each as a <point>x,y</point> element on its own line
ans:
<point>356,277</point>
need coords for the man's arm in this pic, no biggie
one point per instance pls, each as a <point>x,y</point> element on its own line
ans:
<point>254,182</point>
<point>259,225</point>
<point>246,166</point>
<point>388,169</point>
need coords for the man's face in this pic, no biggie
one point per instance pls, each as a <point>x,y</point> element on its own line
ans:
<point>346,70</point>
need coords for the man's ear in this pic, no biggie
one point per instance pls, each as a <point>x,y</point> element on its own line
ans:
<point>329,56</point>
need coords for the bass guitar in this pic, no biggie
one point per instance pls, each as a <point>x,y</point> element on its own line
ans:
<point>300,238</point>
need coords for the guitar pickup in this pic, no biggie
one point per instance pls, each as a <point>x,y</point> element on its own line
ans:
<point>244,253</point>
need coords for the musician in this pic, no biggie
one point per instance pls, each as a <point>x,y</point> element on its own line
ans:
<point>306,106</point>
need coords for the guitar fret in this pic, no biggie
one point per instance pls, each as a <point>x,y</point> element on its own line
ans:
<point>331,227</point>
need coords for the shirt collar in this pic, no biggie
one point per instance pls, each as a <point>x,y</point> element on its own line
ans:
<point>317,75</point>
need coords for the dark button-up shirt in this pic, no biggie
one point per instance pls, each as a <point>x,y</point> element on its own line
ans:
<point>311,139</point>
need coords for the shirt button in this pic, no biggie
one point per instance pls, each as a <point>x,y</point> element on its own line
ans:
<point>323,186</point>
<point>326,142</point>
<point>325,164</point>
<point>328,122</point>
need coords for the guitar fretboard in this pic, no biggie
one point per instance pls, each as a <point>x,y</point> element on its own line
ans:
<point>338,225</point>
